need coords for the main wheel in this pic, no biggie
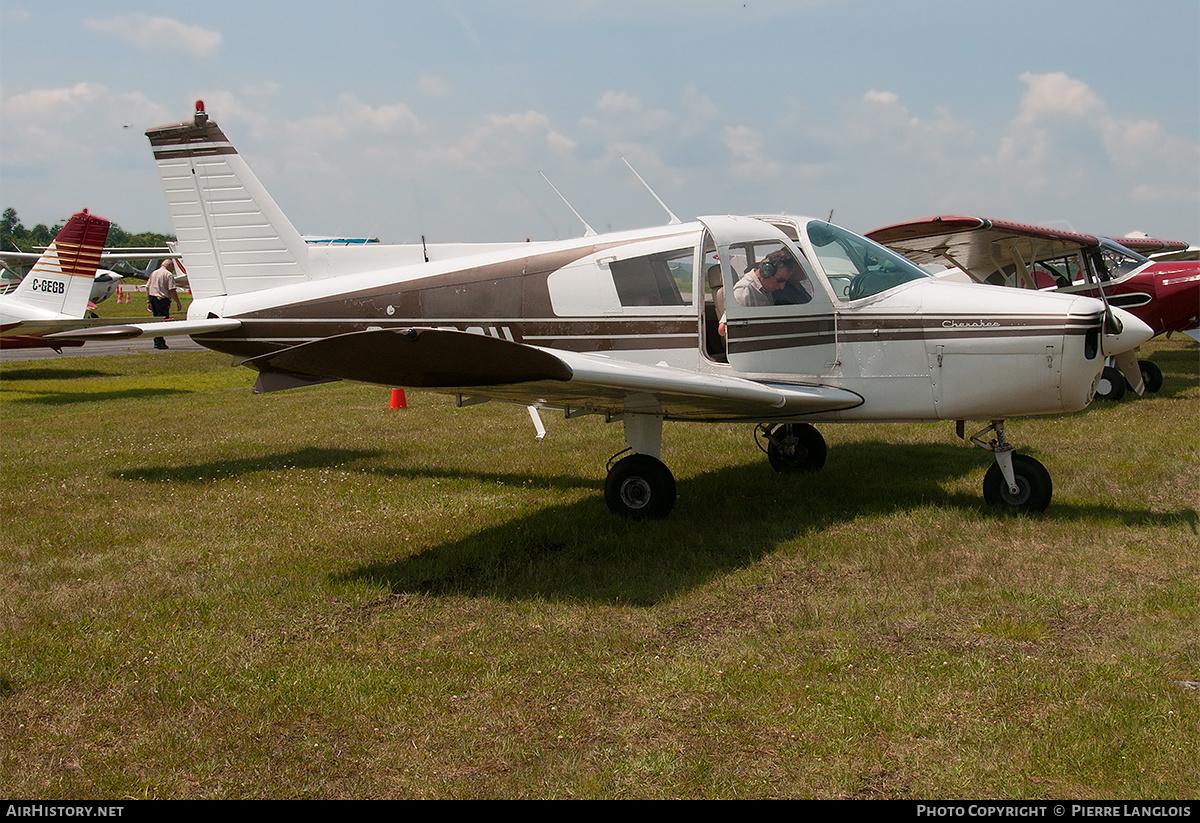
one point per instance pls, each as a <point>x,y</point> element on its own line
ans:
<point>640,487</point>
<point>1151,375</point>
<point>1111,385</point>
<point>796,447</point>
<point>1034,488</point>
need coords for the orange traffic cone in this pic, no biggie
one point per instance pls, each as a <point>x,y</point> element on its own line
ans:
<point>398,401</point>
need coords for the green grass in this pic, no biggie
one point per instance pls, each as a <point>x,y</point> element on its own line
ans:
<point>204,593</point>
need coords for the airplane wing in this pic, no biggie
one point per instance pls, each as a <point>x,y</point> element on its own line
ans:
<point>116,330</point>
<point>1151,245</point>
<point>483,367</point>
<point>10,258</point>
<point>15,258</point>
<point>976,245</point>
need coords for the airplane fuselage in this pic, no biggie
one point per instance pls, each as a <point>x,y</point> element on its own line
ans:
<point>924,349</point>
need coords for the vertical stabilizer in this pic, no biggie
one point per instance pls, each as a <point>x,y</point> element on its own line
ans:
<point>231,234</point>
<point>60,282</point>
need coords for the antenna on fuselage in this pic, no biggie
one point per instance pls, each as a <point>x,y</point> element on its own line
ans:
<point>590,232</point>
<point>670,213</point>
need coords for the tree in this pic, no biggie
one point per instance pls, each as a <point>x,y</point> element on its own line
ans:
<point>13,235</point>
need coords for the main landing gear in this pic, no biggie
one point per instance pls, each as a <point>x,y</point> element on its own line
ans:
<point>791,447</point>
<point>640,487</point>
<point>1015,481</point>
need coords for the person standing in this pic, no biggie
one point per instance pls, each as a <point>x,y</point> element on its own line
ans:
<point>160,289</point>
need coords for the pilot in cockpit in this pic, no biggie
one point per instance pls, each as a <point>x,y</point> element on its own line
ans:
<point>774,281</point>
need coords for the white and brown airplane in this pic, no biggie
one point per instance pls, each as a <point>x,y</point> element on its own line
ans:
<point>821,325</point>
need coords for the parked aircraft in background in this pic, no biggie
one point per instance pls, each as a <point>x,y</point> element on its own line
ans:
<point>1164,294</point>
<point>53,296</point>
<point>107,280</point>
<point>626,326</point>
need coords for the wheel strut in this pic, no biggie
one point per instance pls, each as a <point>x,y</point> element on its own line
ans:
<point>1001,448</point>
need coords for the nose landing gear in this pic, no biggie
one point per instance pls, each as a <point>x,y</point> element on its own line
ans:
<point>1015,481</point>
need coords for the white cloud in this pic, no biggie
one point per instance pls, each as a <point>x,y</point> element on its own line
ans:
<point>1056,93</point>
<point>1065,134</point>
<point>518,138</point>
<point>151,32</point>
<point>59,125</point>
<point>353,117</point>
<point>433,85</point>
<point>886,98</point>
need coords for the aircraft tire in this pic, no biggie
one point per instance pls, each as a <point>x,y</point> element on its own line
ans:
<point>1151,375</point>
<point>796,447</point>
<point>640,487</point>
<point>1111,385</point>
<point>1034,487</point>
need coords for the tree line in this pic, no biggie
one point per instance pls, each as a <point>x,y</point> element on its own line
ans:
<point>15,237</point>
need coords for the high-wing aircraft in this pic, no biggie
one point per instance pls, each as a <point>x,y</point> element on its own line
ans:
<point>1164,294</point>
<point>53,296</point>
<point>625,325</point>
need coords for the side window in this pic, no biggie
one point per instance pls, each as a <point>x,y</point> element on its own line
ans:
<point>1056,273</point>
<point>663,279</point>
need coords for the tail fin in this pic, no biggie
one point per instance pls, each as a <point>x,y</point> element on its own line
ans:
<point>233,236</point>
<point>60,282</point>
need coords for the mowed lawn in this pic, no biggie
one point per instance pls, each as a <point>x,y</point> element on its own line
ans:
<point>210,594</point>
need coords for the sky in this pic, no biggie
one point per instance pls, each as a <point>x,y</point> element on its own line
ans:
<point>399,119</point>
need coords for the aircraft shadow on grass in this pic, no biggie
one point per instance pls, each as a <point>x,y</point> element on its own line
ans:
<point>216,470</point>
<point>10,375</point>
<point>64,398</point>
<point>727,519</point>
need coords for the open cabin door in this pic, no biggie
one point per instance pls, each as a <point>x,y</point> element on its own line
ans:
<point>784,325</point>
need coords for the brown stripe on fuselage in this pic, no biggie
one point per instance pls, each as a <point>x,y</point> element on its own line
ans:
<point>509,299</point>
<point>256,337</point>
<point>774,333</point>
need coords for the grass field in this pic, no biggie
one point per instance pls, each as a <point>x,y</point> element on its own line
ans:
<point>208,594</point>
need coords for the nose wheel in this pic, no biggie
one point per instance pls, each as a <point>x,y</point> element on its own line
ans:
<point>1030,490</point>
<point>1015,482</point>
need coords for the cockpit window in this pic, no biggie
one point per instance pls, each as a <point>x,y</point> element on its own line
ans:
<point>857,267</point>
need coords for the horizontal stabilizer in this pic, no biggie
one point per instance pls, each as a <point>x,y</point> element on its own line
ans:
<point>416,358</point>
<point>161,328</point>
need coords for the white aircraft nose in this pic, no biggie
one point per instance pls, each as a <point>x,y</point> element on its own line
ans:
<point>1133,333</point>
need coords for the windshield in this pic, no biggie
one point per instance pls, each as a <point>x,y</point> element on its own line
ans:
<point>1118,260</point>
<point>858,267</point>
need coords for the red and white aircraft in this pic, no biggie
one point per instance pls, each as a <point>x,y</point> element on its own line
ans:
<point>53,296</point>
<point>822,325</point>
<point>1164,294</point>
